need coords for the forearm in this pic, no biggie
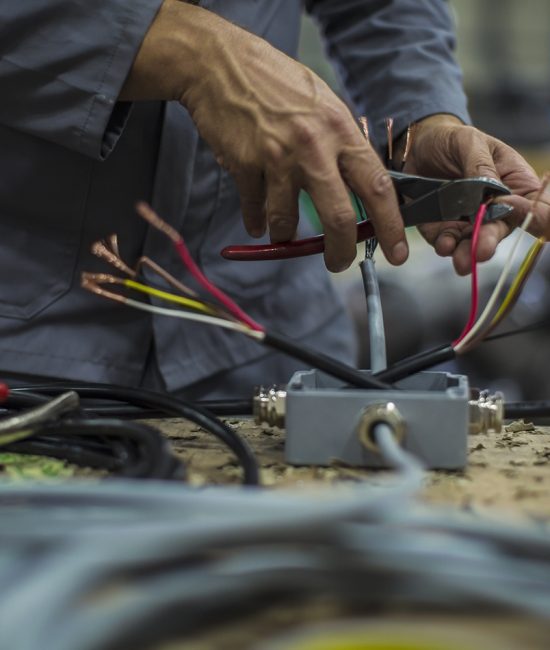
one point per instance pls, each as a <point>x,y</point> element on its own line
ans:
<point>62,64</point>
<point>396,58</point>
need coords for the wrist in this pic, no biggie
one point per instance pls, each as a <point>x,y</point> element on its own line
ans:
<point>421,128</point>
<point>170,58</point>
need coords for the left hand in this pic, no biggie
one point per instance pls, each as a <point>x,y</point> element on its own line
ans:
<point>444,147</point>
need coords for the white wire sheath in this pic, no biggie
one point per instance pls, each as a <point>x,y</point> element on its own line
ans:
<point>201,318</point>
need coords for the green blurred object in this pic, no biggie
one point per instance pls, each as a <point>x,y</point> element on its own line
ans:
<point>308,209</point>
<point>38,468</point>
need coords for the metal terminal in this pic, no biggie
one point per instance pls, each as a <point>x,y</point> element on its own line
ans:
<point>486,412</point>
<point>269,406</point>
<point>386,413</point>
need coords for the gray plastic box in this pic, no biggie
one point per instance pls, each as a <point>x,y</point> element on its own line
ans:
<point>322,415</point>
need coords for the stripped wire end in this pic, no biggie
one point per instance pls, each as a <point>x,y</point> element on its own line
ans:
<point>92,282</point>
<point>364,124</point>
<point>145,211</point>
<point>409,140</point>
<point>103,251</point>
<point>389,134</point>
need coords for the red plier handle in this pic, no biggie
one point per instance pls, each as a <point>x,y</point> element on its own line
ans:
<point>286,250</point>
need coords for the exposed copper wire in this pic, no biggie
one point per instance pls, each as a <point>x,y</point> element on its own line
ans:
<point>92,281</point>
<point>364,124</point>
<point>101,250</point>
<point>146,212</point>
<point>170,279</point>
<point>389,133</point>
<point>411,130</point>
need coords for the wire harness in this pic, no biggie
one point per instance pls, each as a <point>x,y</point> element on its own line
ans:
<point>121,565</point>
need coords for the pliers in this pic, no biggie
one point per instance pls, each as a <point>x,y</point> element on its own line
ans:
<point>422,200</point>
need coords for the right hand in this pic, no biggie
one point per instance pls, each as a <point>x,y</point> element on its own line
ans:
<point>275,125</point>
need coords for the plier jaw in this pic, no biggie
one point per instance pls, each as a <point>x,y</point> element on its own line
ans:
<point>430,200</point>
<point>422,200</point>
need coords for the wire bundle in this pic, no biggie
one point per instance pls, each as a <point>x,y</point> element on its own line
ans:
<point>223,313</point>
<point>106,400</point>
<point>57,428</point>
<point>124,565</point>
<point>494,312</point>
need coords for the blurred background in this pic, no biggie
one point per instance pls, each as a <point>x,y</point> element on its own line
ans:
<point>504,50</point>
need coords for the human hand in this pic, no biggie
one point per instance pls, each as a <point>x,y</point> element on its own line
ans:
<point>274,125</point>
<point>446,148</point>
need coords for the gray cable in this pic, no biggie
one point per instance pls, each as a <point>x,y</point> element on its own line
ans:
<point>121,564</point>
<point>377,336</point>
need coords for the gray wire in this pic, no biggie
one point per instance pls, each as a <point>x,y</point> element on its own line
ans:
<point>202,553</point>
<point>377,336</point>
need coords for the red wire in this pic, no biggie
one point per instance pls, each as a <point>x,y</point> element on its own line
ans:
<point>225,300</point>
<point>475,287</point>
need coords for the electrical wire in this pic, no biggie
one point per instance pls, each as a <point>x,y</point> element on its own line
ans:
<point>527,410</point>
<point>161,403</point>
<point>148,214</point>
<point>461,344</point>
<point>474,281</point>
<point>375,316</point>
<point>128,449</point>
<point>109,565</point>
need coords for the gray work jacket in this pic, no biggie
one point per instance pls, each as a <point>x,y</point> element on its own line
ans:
<point>73,161</point>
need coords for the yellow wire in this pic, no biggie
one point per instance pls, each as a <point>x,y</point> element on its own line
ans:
<point>524,270</point>
<point>170,297</point>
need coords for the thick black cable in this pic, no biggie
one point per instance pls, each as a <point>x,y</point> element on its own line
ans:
<point>146,453</point>
<point>417,363</point>
<point>326,364</point>
<point>166,404</point>
<point>521,410</point>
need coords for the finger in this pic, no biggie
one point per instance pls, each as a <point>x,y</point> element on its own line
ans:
<point>331,198</point>
<point>490,236</point>
<point>282,208</point>
<point>252,192</point>
<point>367,177</point>
<point>523,205</point>
<point>444,237</point>
<point>472,150</point>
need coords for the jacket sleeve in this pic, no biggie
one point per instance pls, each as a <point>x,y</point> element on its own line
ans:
<point>62,65</point>
<point>396,58</point>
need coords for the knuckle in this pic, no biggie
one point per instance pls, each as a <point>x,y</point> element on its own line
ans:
<point>274,152</point>
<point>306,133</point>
<point>341,220</point>
<point>380,184</point>
<point>337,119</point>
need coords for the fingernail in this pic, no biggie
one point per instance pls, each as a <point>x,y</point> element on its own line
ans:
<point>399,253</point>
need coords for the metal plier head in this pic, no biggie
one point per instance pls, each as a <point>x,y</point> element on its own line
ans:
<point>429,200</point>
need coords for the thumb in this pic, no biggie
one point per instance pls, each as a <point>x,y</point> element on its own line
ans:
<point>476,154</point>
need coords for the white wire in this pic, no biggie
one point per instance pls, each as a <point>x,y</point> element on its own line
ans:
<point>201,318</point>
<point>506,270</point>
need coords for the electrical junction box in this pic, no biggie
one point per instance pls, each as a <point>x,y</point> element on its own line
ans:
<point>323,418</point>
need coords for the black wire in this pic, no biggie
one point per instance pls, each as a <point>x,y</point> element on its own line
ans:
<point>320,361</point>
<point>411,365</point>
<point>534,409</point>
<point>139,451</point>
<point>159,402</point>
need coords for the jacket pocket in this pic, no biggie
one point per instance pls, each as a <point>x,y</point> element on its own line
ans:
<point>42,195</point>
